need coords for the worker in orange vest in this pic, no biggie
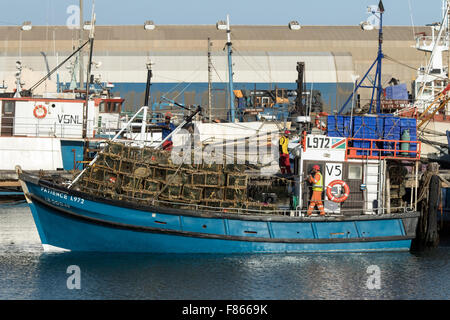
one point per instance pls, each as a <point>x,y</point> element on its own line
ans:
<point>285,164</point>
<point>316,180</point>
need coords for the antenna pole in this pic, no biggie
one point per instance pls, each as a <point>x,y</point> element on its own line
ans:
<point>88,80</point>
<point>380,58</point>
<point>209,79</point>
<point>149,79</point>
<point>80,42</point>
<point>230,72</point>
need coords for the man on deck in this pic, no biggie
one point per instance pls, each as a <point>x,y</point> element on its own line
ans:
<point>167,127</point>
<point>285,164</point>
<point>316,180</point>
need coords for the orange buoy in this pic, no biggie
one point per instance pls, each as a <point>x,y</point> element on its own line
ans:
<point>40,111</point>
<point>341,198</point>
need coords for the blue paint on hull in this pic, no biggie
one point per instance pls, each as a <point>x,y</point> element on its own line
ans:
<point>67,221</point>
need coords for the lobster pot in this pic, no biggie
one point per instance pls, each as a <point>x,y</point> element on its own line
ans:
<point>151,186</point>
<point>133,183</point>
<point>160,174</point>
<point>126,167</point>
<point>186,177</point>
<point>143,175</point>
<point>232,194</point>
<point>110,162</point>
<point>142,171</point>
<point>192,193</point>
<point>172,177</point>
<point>214,179</point>
<point>199,178</point>
<point>211,193</point>
<point>115,148</point>
<point>171,191</point>
<point>237,180</point>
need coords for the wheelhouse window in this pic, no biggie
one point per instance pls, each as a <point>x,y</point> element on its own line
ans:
<point>354,172</point>
<point>110,107</point>
<point>8,106</point>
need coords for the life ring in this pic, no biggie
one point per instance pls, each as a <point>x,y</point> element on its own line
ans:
<point>319,124</point>
<point>40,111</point>
<point>343,197</point>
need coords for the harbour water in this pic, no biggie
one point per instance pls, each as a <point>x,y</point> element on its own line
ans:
<point>27,273</point>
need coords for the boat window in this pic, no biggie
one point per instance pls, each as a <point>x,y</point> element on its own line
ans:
<point>8,106</point>
<point>115,107</point>
<point>102,106</point>
<point>354,172</point>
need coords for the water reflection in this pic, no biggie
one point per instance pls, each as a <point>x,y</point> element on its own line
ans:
<point>296,277</point>
<point>28,273</point>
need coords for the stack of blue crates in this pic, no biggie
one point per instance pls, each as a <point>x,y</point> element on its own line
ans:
<point>398,92</point>
<point>383,126</point>
<point>339,126</point>
<point>391,132</point>
<point>365,128</point>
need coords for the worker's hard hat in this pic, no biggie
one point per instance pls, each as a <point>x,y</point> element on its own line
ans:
<point>316,167</point>
<point>287,132</point>
<point>168,114</point>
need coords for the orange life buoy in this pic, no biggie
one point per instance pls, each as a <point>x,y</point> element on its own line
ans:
<point>319,124</point>
<point>40,111</point>
<point>343,197</point>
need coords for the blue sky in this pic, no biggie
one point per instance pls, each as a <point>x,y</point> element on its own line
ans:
<point>242,12</point>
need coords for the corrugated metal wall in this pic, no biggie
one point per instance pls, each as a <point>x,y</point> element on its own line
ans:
<point>262,54</point>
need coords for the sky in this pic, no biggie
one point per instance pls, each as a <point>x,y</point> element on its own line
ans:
<point>203,12</point>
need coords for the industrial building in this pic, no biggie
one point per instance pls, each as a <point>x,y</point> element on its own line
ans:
<point>263,57</point>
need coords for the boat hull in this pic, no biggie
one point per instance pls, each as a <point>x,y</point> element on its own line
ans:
<point>77,222</point>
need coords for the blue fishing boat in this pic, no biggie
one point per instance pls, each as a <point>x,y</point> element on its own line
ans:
<point>126,201</point>
<point>76,221</point>
<point>360,172</point>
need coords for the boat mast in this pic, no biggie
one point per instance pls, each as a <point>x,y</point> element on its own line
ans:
<point>209,79</point>
<point>230,72</point>
<point>378,61</point>
<point>80,42</point>
<point>88,75</point>
<point>149,79</point>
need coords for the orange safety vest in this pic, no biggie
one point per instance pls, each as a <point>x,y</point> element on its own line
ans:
<point>317,182</point>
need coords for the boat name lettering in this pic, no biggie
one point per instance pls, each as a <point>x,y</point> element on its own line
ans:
<point>76,199</point>
<point>56,203</point>
<point>62,195</point>
<point>318,142</point>
<point>69,119</point>
<point>54,193</point>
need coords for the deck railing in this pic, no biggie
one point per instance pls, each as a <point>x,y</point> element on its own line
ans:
<point>382,149</point>
<point>25,126</point>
